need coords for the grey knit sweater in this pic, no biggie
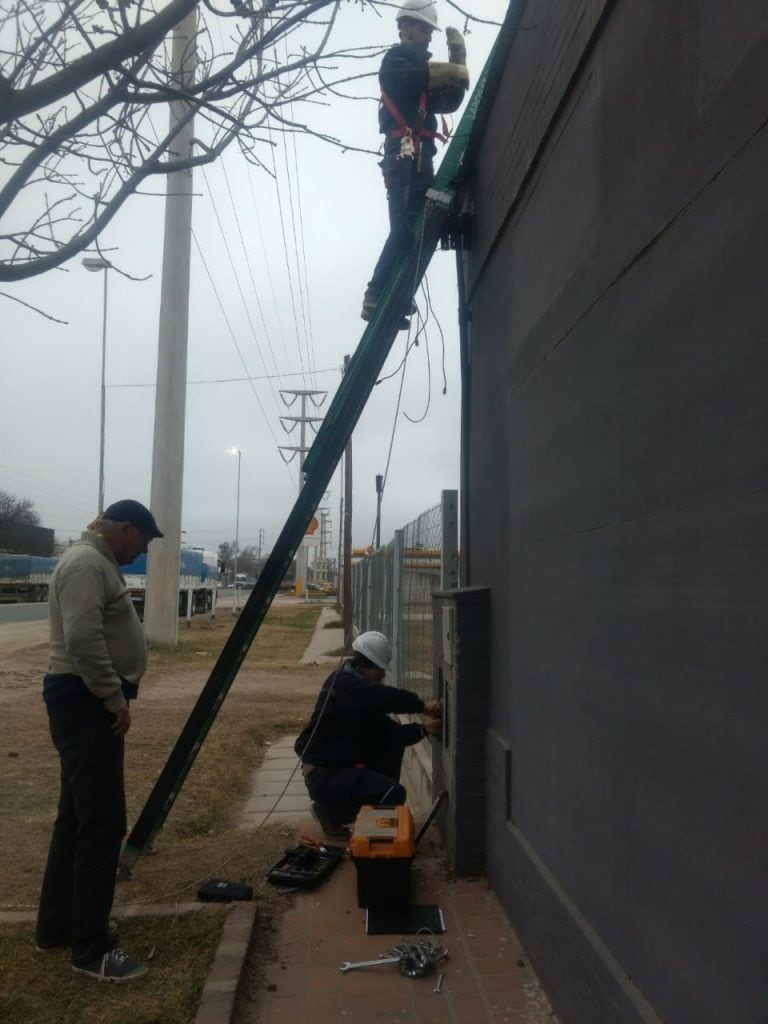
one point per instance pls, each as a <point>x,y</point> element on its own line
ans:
<point>95,632</point>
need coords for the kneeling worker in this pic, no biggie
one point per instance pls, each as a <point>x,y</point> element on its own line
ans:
<point>351,750</point>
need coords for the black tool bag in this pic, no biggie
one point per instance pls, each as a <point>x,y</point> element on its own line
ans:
<point>219,891</point>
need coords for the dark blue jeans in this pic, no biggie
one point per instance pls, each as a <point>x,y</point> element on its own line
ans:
<point>406,188</point>
<point>342,791</point>
<point>79,882</point>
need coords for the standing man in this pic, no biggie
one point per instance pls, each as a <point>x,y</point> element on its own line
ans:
<point>351,750</point>
<point>98,655</point>
<point>413,90</point>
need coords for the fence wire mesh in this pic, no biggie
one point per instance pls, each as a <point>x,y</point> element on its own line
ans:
<point>419,577</point>
<point>393,588</point>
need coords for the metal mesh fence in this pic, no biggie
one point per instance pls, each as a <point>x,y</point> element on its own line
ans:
<point>372,583</point>
<point>419,577</point>
<point>393,588</point>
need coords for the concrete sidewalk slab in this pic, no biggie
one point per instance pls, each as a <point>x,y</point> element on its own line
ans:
<point>324,640</point>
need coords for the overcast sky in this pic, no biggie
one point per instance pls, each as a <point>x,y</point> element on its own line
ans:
<point>49,414</point>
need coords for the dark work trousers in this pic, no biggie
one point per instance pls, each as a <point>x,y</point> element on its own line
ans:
<point>406,188</point>
<point>79,881</point>
<point>343,791</point>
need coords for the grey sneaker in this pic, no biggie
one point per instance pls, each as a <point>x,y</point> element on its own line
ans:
<point>330,829</point>
<point>111,932</point>
<point>114,965</point>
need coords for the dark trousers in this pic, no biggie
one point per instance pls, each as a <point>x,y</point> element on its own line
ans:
<point>79,881</point>
<point>342,791</point>
<point>406,186</point>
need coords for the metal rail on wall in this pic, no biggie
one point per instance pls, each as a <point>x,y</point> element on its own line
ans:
<point>319,466</point>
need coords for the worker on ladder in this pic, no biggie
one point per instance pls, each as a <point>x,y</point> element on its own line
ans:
<point>414,89</point>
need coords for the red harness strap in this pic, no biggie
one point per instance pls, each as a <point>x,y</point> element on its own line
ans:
<point>403,127</point>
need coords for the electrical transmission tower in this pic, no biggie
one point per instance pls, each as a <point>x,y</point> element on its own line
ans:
<point>289,423</point>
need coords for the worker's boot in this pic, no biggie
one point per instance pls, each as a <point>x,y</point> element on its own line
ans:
<point>371,301</point>
<point>330,828</point>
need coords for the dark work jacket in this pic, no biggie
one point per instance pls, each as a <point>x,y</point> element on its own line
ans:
<point>404,76</point>
<point>351,719</point>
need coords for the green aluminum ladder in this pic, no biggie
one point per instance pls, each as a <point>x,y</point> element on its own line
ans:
<point>321,461</point>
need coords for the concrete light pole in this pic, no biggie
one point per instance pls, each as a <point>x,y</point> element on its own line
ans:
<point>239,454</point>
<point>95,264</point>
<point>161,609</point>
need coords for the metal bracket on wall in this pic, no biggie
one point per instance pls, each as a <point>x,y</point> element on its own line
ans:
<point>430,817</point>
<point>457,232</point>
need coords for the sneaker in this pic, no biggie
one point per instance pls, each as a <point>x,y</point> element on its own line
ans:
<point>111,932</point>
<point>330,829</point>
<point>114,965</point>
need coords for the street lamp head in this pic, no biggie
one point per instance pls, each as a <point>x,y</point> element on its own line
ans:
<point>95,263</point>
<point>234,451</point>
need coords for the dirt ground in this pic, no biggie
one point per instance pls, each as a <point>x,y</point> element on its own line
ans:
<point>271,697</point>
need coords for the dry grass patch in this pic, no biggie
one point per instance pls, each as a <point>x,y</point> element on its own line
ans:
<point>278,645</point>
<point>40,988</point>
<point>265,703</point>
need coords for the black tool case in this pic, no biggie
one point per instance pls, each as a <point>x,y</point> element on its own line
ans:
<point>304,867</point>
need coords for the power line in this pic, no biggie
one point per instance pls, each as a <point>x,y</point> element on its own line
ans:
<point>285,251</point>
<point>236,279</point>
<point>230,380</point>
<point>250,269</point>
<point>232,334</point>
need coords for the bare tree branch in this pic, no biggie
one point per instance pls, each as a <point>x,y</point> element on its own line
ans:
<point>29,305</point>
<point>86,85</point>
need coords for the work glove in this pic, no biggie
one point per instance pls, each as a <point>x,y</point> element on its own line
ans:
<point>447,76</point>
<point>457,50</point>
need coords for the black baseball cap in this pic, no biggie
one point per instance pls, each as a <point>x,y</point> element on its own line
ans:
<point>133,512</point>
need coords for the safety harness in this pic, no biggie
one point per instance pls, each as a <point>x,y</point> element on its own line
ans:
<point>411,135</point>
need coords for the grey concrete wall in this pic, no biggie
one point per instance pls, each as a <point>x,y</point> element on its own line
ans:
<point>461,656</point>
<point>618,489</point>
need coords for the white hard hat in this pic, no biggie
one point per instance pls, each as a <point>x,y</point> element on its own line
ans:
<point>375,647</point>
<point>420,10</point>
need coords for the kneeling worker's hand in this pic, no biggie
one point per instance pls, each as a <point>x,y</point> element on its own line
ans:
<point>433,708</point>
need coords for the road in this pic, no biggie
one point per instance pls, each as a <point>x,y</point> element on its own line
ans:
<point>13,613</point>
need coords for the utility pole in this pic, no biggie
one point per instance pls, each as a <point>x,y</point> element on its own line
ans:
<point>347,618</point>
<point>325,531</point>
<point>261,541</point>
<point>379,492</point>
<point>301,448</point>
<point>161,617</point>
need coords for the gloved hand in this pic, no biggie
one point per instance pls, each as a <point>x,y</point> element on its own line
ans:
<point>457,50</point>
<point>447,76</point>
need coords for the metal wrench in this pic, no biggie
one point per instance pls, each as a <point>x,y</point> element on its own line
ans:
<point>347,966</point>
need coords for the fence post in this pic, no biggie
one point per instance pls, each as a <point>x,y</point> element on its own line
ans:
<point>366,623</point>
<point>397,636</point>
<point>449,553</point>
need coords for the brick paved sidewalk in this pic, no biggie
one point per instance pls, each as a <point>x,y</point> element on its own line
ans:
<point>487,978</point>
